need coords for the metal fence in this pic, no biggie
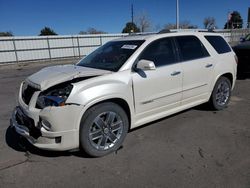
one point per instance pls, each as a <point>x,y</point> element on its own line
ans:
<point>18,49</point>
<point>34,48</point>
<point>233,35</point>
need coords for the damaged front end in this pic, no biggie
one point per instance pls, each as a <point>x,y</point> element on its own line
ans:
<point>44,117</point>
<point>54,96</point>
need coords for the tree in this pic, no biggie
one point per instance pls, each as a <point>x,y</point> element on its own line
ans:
<point>143,22</point>
<point>47,31</point>
<point>187,25</point>
<point>92,30</point>
<point>130,28</point>
<point>169,26</point>
<point>209,23</point>
<point>6,34</point>
<point>183,25</point>
<point>234,21</point>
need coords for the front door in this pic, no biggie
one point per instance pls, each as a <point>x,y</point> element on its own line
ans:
<point>159,90</point>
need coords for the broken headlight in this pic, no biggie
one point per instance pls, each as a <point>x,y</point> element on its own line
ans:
<point>54,96</point>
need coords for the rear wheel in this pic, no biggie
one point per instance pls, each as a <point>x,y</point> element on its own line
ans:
<point>103,129</point>
<point>221,94</point>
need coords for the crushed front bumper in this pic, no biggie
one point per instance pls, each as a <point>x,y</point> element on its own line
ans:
<point>42,138</point>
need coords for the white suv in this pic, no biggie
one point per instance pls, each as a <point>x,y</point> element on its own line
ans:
<point>123,84</point>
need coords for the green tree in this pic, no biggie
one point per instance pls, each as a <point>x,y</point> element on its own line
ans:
<point>47,31</point>
<point>6,34</point>
<point>130,28</point>
<point>234,22</point>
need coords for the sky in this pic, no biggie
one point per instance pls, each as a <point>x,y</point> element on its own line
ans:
<point>65,17</point>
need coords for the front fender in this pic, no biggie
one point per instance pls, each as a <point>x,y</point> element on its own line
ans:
<point>113,86</point>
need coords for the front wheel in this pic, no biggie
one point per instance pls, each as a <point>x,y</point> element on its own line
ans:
<point>221,94</point>
<point>103,129</point>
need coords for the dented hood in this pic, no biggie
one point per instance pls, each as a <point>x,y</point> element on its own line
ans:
<point>54,75</point>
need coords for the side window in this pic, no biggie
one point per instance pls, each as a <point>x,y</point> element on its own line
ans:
<point>219,44</point>
<point>161,52</point>
<point>191,48</point>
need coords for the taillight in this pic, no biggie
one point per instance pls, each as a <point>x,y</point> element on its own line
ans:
<point>236,59</point>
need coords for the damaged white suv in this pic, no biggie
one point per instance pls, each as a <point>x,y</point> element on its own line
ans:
<point>123,84</point>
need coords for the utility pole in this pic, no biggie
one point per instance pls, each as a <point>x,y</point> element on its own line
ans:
<point>132,13</point>
<point>132,18</point>
<point>177,14</point>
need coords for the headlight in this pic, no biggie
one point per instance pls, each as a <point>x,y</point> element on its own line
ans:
<point>54,96</point>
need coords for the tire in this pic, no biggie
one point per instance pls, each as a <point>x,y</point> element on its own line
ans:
<point>103,129</point>
<point>221,94</point>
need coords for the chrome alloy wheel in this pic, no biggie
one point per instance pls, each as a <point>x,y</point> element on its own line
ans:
<point>105,130</point>
<point>222,93</point>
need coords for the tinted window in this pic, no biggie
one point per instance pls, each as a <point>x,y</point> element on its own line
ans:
<point>161,52</point>
<point>191,48</point>
<point>112,55</point>
<point>219,44</point>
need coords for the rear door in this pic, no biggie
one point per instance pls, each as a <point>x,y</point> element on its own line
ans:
<point>197,66</point>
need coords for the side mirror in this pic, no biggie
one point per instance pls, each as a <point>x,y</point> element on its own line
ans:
<point>144,64</point>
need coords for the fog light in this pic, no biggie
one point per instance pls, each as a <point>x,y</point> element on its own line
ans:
<point>58,139</point>
<point>45,124</point>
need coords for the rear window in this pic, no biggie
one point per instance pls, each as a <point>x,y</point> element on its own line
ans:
<point>191,48</point>
<point>219,44</point>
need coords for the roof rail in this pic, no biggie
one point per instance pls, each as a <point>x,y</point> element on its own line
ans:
<point>164,31</point>
<point>140,34</point>
<point>207,31</point>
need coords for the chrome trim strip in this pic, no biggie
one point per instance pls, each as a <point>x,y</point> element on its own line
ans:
<point>150,101</point>
<point>194,87</point>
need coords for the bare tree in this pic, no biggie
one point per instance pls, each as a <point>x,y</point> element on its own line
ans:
<point>183,25</point>
<point>92,30</point>
<point>209,23</point>
<point>169,26</point>
<point>143,22</point>
<point>187,25</point>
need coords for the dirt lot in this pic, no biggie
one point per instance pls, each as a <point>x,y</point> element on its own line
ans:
<point>195,148</point>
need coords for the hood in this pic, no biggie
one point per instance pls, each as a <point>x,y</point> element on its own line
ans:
<point>54,75</point>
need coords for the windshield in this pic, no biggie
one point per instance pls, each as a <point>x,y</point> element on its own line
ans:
<point>111,56</point>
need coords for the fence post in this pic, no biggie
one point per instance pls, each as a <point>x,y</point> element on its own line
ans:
<point>78,46</point>
<point>73,46</point>
<point>100,40</point>
<point>14,45</point>
<point>49,48</point>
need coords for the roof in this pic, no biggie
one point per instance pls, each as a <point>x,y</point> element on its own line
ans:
<point>153,36</point>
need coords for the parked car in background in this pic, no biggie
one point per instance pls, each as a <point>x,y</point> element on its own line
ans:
<point>242,51</point>
<point>122,85</point>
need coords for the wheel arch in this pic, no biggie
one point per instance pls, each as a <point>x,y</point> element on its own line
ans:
<point>229,76</point>
<point>119,101</point>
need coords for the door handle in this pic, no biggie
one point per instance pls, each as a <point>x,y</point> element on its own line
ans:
<point>175,73</point>
<point>209,65</point>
